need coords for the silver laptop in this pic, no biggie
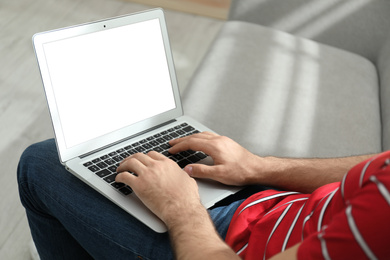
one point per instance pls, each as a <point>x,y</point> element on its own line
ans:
<point>112,91</point>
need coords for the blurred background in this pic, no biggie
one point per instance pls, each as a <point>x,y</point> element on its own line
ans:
<point>24,119</point>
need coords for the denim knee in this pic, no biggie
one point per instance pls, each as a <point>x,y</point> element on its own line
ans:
<point>35,159</point>
<point>45,149</point>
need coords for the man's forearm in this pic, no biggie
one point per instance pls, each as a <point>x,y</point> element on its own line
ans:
<point>305,175</point>
<point>193,236</point>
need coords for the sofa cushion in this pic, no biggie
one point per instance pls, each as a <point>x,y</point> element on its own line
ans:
<point>277,94</point>
<point>384,73</point>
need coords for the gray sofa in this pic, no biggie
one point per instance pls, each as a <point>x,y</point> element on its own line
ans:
<point>298,78</point>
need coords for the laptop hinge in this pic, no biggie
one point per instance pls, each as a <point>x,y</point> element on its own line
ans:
<point>127,138</point>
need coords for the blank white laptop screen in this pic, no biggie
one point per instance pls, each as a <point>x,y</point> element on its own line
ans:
<point>130,75</point>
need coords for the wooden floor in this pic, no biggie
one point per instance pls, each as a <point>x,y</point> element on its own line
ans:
<point>213,8</point>
<point>23,113</point>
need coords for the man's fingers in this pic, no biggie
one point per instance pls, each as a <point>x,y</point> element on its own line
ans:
<point>200,170</point>
<point>214,172</point>
<point>193,143</point>
<point>204,135</point>
<point>156,156</point>
<point>125,177</point>
<point>131,164</point>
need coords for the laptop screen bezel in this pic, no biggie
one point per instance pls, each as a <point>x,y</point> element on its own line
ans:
<point>67,153</point>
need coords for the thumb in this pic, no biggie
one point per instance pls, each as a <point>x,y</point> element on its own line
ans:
<point>125,177</point>
<point>199,170</point>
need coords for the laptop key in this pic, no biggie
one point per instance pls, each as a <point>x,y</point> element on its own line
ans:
<point>125,155</point>
<point>166,153</point>
<point>160,140</point>
<point>87,164</point>
<point>201,155</point>
<point>103,173</point>
<point>184,163</point>
<point>110,178</point>
<point>168,137</point>
<point>147,146</point>
<point>104,157</point>
<point>93,168</point>
<point>193,159</point>
<point>188,129</point>
<point>102,165</point>
<point>154,143</point>
<point>180,132</point>
<point>117,185</point>
<point>165,146</point>
<point>173,159</point>
<point>112,168</point>
<point>174,135</point>
<point>131,151</point>
<point>110,161</point>
<point>96,160</point>
<point>178,156</point>
<point>126,190</point>
<point>158,149</point>
<point>184,153</point>
<point>118,158</point>
<point>140,149</point>
<point>112,154</point>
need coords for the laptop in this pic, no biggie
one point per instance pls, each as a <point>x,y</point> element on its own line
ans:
<point>112,91</point>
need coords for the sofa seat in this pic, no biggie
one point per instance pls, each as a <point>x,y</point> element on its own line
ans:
<point>278,94</point>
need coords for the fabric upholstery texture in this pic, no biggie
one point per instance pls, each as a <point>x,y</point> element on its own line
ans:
<point>278,94</point>
<point>384,72</point>
<point>358,26</point>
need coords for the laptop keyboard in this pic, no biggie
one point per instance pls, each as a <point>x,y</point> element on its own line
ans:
<point>105,166</point>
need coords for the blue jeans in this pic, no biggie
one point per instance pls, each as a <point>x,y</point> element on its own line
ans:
<point>70,220</point>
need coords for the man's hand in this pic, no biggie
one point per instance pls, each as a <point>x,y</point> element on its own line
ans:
<point>173,196</point>
<point>160,184</point>
<point>233,164</point>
